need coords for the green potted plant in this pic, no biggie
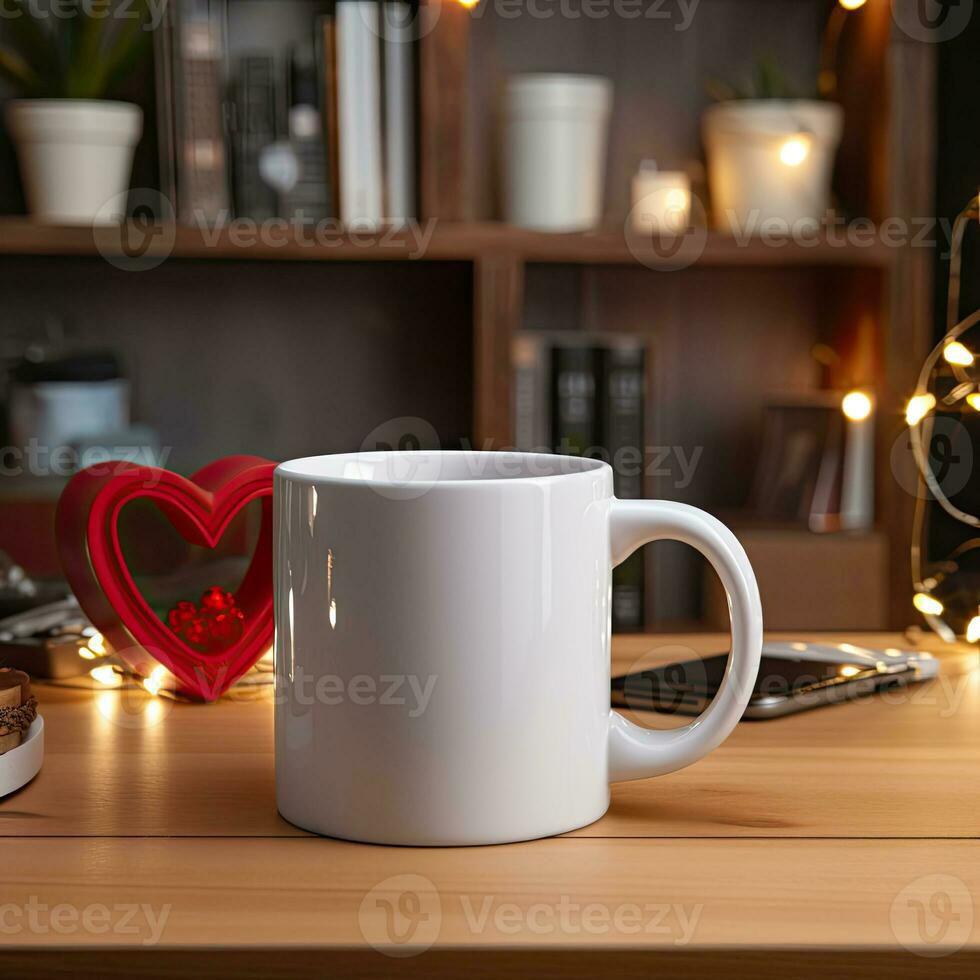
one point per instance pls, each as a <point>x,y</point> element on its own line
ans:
<point>770,151</point>
<point>75,146</point>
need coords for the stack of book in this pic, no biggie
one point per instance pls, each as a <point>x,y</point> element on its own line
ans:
<point>584,395</point>
<point>323,129</point>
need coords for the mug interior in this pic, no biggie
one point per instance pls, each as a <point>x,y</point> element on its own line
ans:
<point>436,466</point>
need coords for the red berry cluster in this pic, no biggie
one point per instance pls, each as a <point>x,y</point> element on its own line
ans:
<point>213,627</point>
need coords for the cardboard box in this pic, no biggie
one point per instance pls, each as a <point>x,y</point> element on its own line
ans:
<point>811,581</point>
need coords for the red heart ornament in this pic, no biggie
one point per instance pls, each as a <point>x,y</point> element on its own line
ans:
<point>200,508</point>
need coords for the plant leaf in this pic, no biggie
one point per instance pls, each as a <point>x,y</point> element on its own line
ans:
<point>131,44</point>
<point>17,71</point>
<point>83,69</point>
<point>107,48</point>
<point>31,42</point>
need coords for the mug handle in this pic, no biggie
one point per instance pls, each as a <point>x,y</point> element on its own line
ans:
<point>635,752</point>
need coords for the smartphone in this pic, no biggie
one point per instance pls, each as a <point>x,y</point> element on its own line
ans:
<point>783,686</point>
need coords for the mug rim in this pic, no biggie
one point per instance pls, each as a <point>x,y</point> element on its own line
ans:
<point>315,469</point>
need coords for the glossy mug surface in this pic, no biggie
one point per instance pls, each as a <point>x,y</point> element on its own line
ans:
<point>443,644</point>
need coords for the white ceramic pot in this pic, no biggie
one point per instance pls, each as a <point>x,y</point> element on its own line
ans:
<point>770,159</point>
<point>442,644</point>
<point>60,413</point>
<point>75,155</point>
<point>555,150</point>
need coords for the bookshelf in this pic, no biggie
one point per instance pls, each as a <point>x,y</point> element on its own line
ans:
<point>737,323</point>
<point>445,241</point>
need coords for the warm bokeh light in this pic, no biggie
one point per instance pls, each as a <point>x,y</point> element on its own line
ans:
<point>106,676</point>
<point>973,401</point>
<point>96,644</point>
<point>973,630</point>
<point>918,408</point>
<point>154,683</point>
<point>926,604</point>
<point>956,353</point>
<point>470,4</point>
<point>849,670</point>
<point>794,151</point>
<point>852,4</point>
<point>856,405</point>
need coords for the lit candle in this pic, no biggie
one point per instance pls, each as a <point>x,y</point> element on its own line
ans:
<point>857,484</point>
<point>661,200</point>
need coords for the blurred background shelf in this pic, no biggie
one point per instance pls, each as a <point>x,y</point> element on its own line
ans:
<point>443,241</point>
<point>287,348</point>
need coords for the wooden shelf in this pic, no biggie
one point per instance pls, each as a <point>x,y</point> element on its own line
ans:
<point>439,241</point>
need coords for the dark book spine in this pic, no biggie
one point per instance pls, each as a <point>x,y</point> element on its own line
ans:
<point>621,405</point>
<point>256,129</point>
<point>573,416</point>
<point>202,173</point>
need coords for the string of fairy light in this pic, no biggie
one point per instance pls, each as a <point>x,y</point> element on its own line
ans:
<point>106,672</point>
<point>919,415</point>
<point>110,674</point>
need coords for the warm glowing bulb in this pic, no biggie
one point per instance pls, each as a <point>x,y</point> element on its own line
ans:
<point>154,683</point>
<point>470,4</point>
<point>926,604</point>
<point>956,353</point>
<point>918,408</point>
<point>856,405</point>
<point>852,4</point>
<point>973,401</point>
<point>973,630</point>
<point>106,676</point>
<point>794,151</point>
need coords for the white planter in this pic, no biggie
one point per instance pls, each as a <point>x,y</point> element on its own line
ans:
<point>770,159</point>
<point>58,413</point>
<point>75,156</point>
<point>555,150</point>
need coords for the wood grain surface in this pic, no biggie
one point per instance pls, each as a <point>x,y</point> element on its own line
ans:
<point>810,837</point>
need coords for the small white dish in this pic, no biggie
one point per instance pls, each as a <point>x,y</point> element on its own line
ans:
<point>19,766</point>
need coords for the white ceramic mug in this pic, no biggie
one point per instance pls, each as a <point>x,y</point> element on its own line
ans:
<point>442,644</point>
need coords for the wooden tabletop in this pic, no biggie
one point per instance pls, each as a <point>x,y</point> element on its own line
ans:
<point>826,844</point>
